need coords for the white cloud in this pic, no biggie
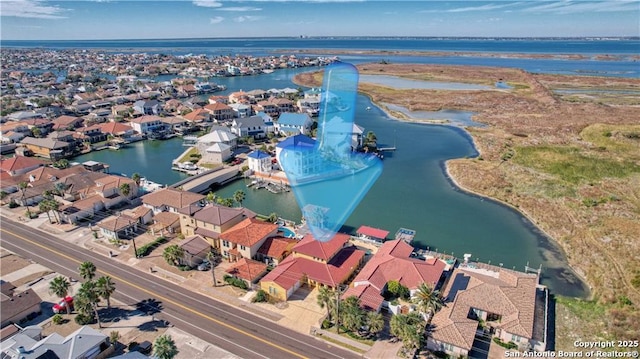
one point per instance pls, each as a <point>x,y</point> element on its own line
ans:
<point>32,9</point>
<point>216,20</point>
<point>481,7</point>
<point>207,3</point>
<point>568,7</point>
<point>240,8</point>
<point>246,18</point>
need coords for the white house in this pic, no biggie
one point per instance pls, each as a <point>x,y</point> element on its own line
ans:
<point>259,162</point>
<point>294,123</point>
<point>147,124</point>
<point>253,126</point>
<point>217,153</point>
<point>241,110</point>
<point>216,136</point>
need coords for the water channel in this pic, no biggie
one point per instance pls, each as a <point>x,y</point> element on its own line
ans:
<point>412,192</point>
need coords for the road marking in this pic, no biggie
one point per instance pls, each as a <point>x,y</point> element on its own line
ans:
<point>219,322</point>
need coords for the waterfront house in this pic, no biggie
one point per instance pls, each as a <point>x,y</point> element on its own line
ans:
<point>217,153</point>
<point>85,342</point>
<point>197,116</point>
<point>65,122</point>
<point>248,270</point>
<point>310,106</point>
<point>146,125</point>
<point>290,124</point>
<point>241,110</point>
<point>176,124</point>
<point>259,162</point>
<point>91,134</point>
<point>117,129</point>
<point>301,155</point>
<point>171,200</point>
<point>284,105</point>
<point>16,307</point>
<point>480,299</point>
<point>141,214</point>
<point>19,165</point>
<point>251,126</point>
<point>47,148</point>
<point>393,261</point>
<point>238,97</point>
<point>245,238</point>
<point>372,234</point>
<point>275,249</point>
<point>147,107</point>
<point>120,227</point>
<point>195,250</point>
<point>223,136</point>
<point>313,263</point>
<point>211,220</point>
<point>219,111</point>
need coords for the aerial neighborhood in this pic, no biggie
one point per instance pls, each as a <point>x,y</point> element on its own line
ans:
<point>363,282</point>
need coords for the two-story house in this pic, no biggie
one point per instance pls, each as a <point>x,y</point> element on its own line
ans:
<point>245,238</point>
<point>253,126</point>
<point>219,111</point>
<point>147,107</point>
<point>211,220</point>
<point>147,124</point>
<point>291,124</point>
<point>47,147</point>
<point>259,162</point>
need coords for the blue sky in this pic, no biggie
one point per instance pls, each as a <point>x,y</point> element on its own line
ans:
<point>110,19</point>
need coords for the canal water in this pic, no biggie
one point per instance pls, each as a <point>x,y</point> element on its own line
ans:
<point>412,192</point>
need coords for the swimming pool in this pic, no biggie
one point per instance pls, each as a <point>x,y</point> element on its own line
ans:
<point>286,232</point>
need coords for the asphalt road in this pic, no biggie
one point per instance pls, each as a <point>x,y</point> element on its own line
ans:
<point>232,329</point>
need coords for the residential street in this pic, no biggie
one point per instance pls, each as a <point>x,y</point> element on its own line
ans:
<point>239,332</point>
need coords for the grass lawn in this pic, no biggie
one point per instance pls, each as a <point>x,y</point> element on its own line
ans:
<point>187,156</point>
<point>210,165</point>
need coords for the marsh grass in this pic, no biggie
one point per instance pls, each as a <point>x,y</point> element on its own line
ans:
<point>573,164</point>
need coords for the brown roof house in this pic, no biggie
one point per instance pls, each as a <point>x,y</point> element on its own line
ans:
<point>19,307</point>
<point>275,249</point>
<point>211,220</point>
<point>248,270</point>
<point>195,250</point>
<point>116,228</point>
<point>171,200</point>
<point>510,305</point>
<point>47,147</point>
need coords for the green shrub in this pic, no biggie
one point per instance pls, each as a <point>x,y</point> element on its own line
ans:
<point>184,268</point>
<point>236,282</point>
<point>260,297</point>
<point>57,319</point>
<point>509,345</point>
<point>82,319</point>
<point>326,324</point>
<point>13,204</point>
<point>147,248</point>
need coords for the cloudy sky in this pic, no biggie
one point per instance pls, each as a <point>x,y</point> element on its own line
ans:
<point>142,19</point>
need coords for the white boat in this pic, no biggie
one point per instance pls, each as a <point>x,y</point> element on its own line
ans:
<point>368,108</point>
<point>149,186</point>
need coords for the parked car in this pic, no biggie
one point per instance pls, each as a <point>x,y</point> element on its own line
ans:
<point>205,265</point>
<point>61,307</point>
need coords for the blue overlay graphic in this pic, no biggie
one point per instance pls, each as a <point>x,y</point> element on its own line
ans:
<point>328,178</point>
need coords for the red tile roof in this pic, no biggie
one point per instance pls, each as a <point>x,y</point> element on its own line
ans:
<point>392,262</point>
<point>115,128</point>
<point>324,250</point>
<point>247,269</point>
<point>276,247</point>
<point>370,297</point>
<point>249,232</point>
<point>337,271</point>
<point>18,163</point>
<point>372,232</point>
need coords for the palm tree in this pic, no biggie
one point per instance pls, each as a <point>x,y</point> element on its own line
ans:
<point>164,347</point>
<point>60,187</point>
<point>125,189</point>
<point>211,197</point>
<point>273,217</point>
<point>45,206</point>
<point>427,300</point>
<point>54,206</point>
<point>409,328</point>
<point>212,257</point>
<point>136,178</point>
<point>60,287</point>
<point>371,139</point>
<point>375,322</point>
<point>106,287</point>
<point>351,315</point>
<point>173,254</point>
<point>23,186</point>
<point>324,298</point>
<point>87,299</point>
<point>239,196</point>
<point>87,270</point>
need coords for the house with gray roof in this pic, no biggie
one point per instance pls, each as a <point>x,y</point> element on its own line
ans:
<point>251,126</point>
<point>84,343</point>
